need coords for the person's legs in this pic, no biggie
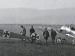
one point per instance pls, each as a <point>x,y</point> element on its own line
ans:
<point>30,34</point>
<point>31,39</point>
<point>46,41</point>
<point>24,34</point>
<point>53,40</point>
<point>23,37</point>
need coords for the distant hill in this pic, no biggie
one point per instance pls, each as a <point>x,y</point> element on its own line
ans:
<point>34,16</point>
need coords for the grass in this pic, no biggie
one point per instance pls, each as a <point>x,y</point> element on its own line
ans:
<point>19,48</point>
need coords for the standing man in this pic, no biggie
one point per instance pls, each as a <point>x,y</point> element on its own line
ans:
<point>32,30</point>
<point>23,32</point>
<point>46,34</point>
<point>53,35</point>
<point>32,34</point>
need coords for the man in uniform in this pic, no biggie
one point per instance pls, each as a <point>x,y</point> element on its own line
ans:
<point>46,34</point>
<point>53,35</point>
<point>32,30</point>
<point>32,34</point>
<point>23,32</point>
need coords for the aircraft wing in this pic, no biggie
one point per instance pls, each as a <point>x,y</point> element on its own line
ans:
<point>69,35</point>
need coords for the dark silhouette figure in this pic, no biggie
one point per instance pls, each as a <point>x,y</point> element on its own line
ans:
<point>32,30</point>
<point>23,32</point>
<point>46,34</point>
<point>72,27</point>
<point>53,35</point>
<point>32,34</point>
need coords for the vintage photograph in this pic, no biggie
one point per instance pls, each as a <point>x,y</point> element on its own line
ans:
<point>37,27</point>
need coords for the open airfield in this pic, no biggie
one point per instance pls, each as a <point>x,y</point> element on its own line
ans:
<point>16,47</point>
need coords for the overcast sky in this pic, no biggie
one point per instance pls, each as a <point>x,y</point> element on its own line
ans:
<point>38,4</point>
<point>14,17</point>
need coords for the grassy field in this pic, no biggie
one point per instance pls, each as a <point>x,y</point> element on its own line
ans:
<point>19,48</point>
<point>12,47</point>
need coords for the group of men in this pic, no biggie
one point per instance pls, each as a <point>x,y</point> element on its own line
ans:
<point>32,30</point>
<point>46,35</point>
<point>33,34</point>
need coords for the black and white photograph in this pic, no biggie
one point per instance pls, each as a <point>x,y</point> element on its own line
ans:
<point>37,27</point>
